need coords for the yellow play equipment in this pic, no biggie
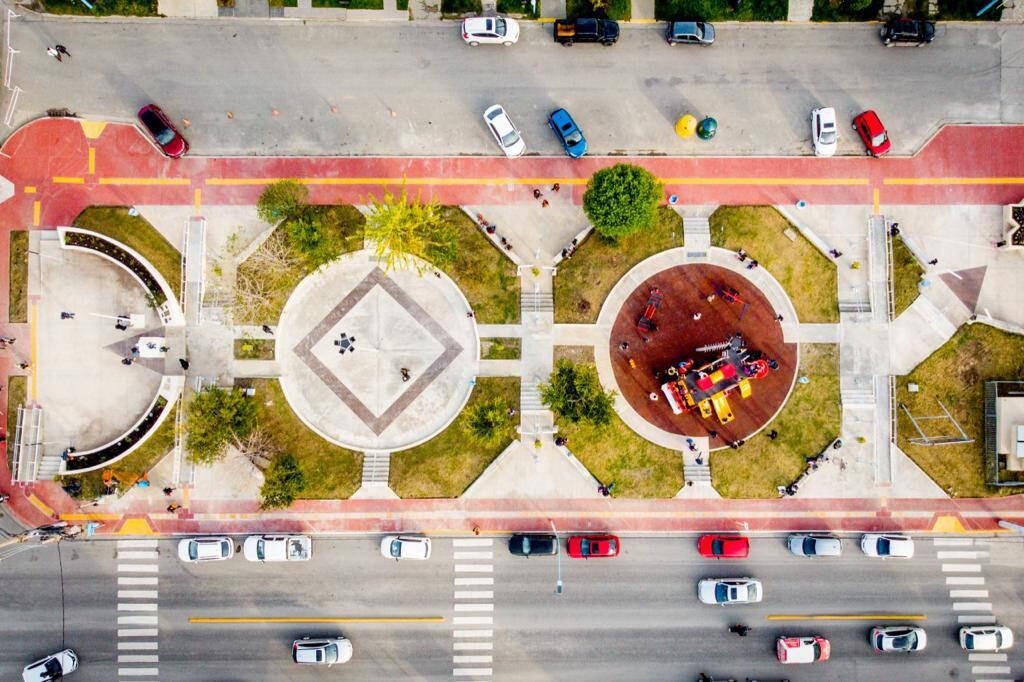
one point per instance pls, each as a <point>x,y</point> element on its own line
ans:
<point>722,409</point>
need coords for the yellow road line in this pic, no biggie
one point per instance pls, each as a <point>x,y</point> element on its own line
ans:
<point>37,207</point>
<point>953,181</point>
<point>855,182</point>
<point>92,160</point>
<point>136,527</point>
<point>145,181</point>
<point>32,349</point>
<point>30,189</point>
<point>60,180</point>
<point>874,201</point>
<point>198,200</point>
<point>40,505</point>
<point>397,619</point>
<point>845,182</point>
<point>90,517</point>
<point>837,616</point>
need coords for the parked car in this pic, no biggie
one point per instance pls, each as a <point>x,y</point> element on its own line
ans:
<point>192,550</point>
<point>986,637</point>
<point>690,33</point>
<point>872,133</point>
<point>898,638</point>
<point>723,546</point>
<point>504,131</point>
<point>885,546</point>
<point>586,30</point>
<point>53,667</point>
<point>815,545</point>
<point>569,134</point>
<point>724,591</point>
<point>277,548</point>
<point>155,122</point>
<point>322,651</point>
<point>529,544</point>
<point>405,547</point>
<point>490,31</point>
<point>586,546</point>
<point>907,32</point>
<point>807,649</point>
<point>824,133</point>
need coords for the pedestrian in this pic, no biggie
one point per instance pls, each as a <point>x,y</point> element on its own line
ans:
<point>544,203</point>
<point>778,318</point>
<point>710,298</point>
<point>406,375</point>
<point>164,349</point>
<point>894,230</point>
<point>24,364</point>
<point>696,316</point>
<point>773,363</point>
<point>740,442</point>
<point>173,507</point>
<point>601,489</point>
<point>126,361</point>
<point>53,53</point>
<point>555,187</point>
<point>742,255</point>
<point>645,339</point>
<point>691,445</point>
<point>734,445</point>
<point>653,397</point>
<point>168,490</point>
<point>712,434</point>
<point>773,434</point>
<point>476,530</point>
<point>62,50</point>
<point>8,340</point>
<point>67,316</point>
<point>184,363</point>
<point>1000,244</point>
<point>511,411</point>
<point>700,461</point>
<point>933,261</point>
<point>560,441</point>
<point>469,314</point>
<point>267,329</point>
<point>624,346</point>
<point>751,265</point>
<point>537,194</point>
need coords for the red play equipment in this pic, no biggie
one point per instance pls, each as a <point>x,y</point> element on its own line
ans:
<point>646,323</point>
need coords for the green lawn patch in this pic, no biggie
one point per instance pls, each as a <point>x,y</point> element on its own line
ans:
<point>966,10</point>
<point>487,279</point>
<point>350,4</point>
<point>584,281</point>
<point>461,7</point>
<point>449,462</point>
<point>254,349</point>
<point>282,3</point>
<point>846,10</point>
<point>808,277</point>
<point>500,349</point>
<point>138,234</point>
<point>17,391</point>
<point>17,310</point>
<point>402,5</point>
<point>810,420</point>
<point>956,374</point>
<point>720,10</point>
<point>519,7</point>
<point>620,10</point>
<point>126,8</point>
<point>907,274</point>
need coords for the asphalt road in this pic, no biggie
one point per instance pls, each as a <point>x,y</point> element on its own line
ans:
<point>416,89</point>
<point>634,617</point>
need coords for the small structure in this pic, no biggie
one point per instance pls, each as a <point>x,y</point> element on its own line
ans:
<point>1004,431</point>
<point>646,322</point>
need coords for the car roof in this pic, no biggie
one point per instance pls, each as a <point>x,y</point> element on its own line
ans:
<point>479,23</point>
<point>684,26</point>
<point>209,547</point>
<point>414,547</point>
<point>798,649</point>
<point>561,117</point>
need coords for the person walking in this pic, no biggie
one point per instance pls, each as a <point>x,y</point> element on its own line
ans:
<point>555,187</point>
<point>62,50</point>
<point>267,329</point>
<point>406,375</point>
<point>168,490</point>
<point>173,507</point>
<point>740,630</point>
<point>696,317</point>
<point>933,261</point>
<point>537,194</point>
<point>773,434</point>
<point>52,51</point>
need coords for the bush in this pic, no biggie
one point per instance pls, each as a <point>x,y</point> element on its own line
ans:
<point>488,421</point>
<point>405,232</point>
<point>622,200</point>
<point>575,392</point>
<point>284,481</point>
<point>316,245</point>
<point>846,10</point>
<point>215,416</point>
<point>281,200</point>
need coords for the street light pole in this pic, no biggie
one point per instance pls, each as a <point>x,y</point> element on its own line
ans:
<point>558,555</point>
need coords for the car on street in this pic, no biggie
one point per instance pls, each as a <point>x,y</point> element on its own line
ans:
<point>490,31</point>
<point>321,651</point>
<point>811,545</point>
<point>586,30</point>
<point>805,649</point>
<point>193,550</point>
<point>914,32</point>
<point>530,544</point>
<point>886,546</point>
<point>53,667</point>
<point>158,125</point>
<point>824,132</point>
<point>405,547</point>
<point>723,546</point>
<point>277,548</point>
<point>724,591</point>
<point>986,637</point>
<point>689,33</point>
<point>569,134</point>
<point>872,133</point>
<point>504,131</point>
<point>898,638</point>
<point>586,546</point>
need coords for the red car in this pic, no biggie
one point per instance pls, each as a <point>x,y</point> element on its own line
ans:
<point>586,546</point>
<point>155,122</point>
<point>872,132</point>
<point>723,546</point>
<point>807,649</point>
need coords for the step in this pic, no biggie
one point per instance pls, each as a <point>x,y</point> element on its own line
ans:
<point>376,468</point>
<point>699,474</point>
<point>854,306</point>
<point>529,398</point>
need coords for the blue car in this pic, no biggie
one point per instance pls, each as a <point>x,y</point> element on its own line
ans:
<point>568,132</point>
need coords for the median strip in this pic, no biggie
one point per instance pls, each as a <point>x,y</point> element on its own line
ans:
<point>842,616</point>
<point>340,619</point>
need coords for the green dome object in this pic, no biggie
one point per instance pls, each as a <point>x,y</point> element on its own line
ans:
<point>707,128</point>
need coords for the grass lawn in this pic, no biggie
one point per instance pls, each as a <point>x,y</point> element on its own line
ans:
<point>620,10</point>
<point>17,390</point>
<point>350,4</point>
<point>500,349</point>
<point>809,421</point>
<point>402,5</point>
<point>486,277</point>
<point>519,7</point>
<point>461,7</point>
<point>956,374</point>
<point>254,349</point>
<point>128,8</point>
<point>576,354</point>
<point>583,282</point>
<point>136,233</point>
<point>907,273</point>
<point>845,10</point>
<point>806,274</point>
<point>17,310</point>
<point>332,472</point>
<point>720,10</point>
<point>446,464</point>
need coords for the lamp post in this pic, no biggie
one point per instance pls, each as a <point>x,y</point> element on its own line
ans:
<point>558,555</point>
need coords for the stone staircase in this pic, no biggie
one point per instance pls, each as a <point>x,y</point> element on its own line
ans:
<point>700,474</point>
<point>376,468</point>
<point>857,392</point>
<point>529,398</point>
<point>696,237</point>
<point>849,306</point>
<point>49,468</point>
<point>537,302</point>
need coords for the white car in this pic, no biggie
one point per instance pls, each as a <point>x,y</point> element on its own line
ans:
<point>405,547</point>
<point>490,31</point>
<point>824,132</point>
<point>986,637</point>
<point>504,131</point>
<point>724,591</point>
<point>193,550</point>
<point>808,649</point>
<point>53,667</point>
<point>815,545</point>
<point>277,548</point>
<point>884,546</point>
<point>323,651</point>
<point>898,638</point>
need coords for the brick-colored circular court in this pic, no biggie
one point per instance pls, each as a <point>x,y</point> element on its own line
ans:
<point>684,290</point>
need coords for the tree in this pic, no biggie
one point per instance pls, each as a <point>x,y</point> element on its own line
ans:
<point>403,231</point>
<point>622,200</point>
<point>316,244</point>
<point>487,421</point>
<point>281,200</point>
<point>215,418</point>
<point>283,482</point>
<point>266,276</point>
<point>575,392</point>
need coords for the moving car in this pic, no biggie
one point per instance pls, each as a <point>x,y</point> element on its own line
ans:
<point>529,544</point>
<point>815,545</point>
<point>155,122</point>
<point>872,133</point>
<point>907,32</point>
<point>405,547</point>
<point>824,133</point>
<point>690,33</point>
<point>193,550</point>
<point>723,546</point>
<point>490,31</point>
<point>277,548</point>
<point>885,546</point>
<point>898,638</point>
<point>504,131</point>
<point>986,637</point>
<point>724,591</point>
<point>807,649</point>
<point>323,651</point>
<point>586,546</point>
<point>586,30</point>
<point>569,134</point>
<point>53,667</point>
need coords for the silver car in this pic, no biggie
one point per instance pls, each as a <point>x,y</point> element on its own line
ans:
<point>53,667</point>
<point>824,132</point>
<point>193,550</point>
<point>815,545</point>
<point>504,131</point>
<point>898,638</point>
<point>490,31</point>
<point>887,546</point>
<point>322,651</point>
<point>405,547</point>
<point>724,591</point>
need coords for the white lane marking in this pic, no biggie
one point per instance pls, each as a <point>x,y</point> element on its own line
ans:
<point>953,542</point>
<point>136,594</point>
<point>962,555</point>
<point>136,658</point>
<point>474,607</point>
<point>472,672</point>
<point>976,620</point>
<point>472,659</point>
<point>961,568</point>
<point>482,568</point>
<point>990,670</point>
<point>139,554</point>
<point>136,607</point>
<point>137,646</point>
<point>472,620</point>
<point>473,633</point>
<point>137,620</point>
<point>138,632</point>
<point>474,581</point>
<point>972,606</point>
<point>473,542</point>
<point>474,594</point>
<point>487,646</point>
<point>473,555</point>
<point>964,580</point>
<point>988,658</point>
<point>130,580</point>
<point>138,672</point>
<point>136,544</point>
<point>137,568</point>
<point>968,594</point>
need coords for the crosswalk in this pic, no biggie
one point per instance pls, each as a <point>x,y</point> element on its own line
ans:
<point>138,562</point>
<point>473,622</point>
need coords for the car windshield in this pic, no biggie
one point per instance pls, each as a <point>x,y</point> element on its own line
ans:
<point>575,137</point>
<point>883,544</point>
<point>817,651</point>
<point>510,138</point>
<point>330,653</point>
<point>878,140</point>
<point>396,548</point>
<point>160,132</point>
<point>904,641</point>
<point>809,546</point>
<point>500,27</point>
<point>585,546</point>
<point>261,551</point>
<point>53,667</point>
<point>717,547</point>
<point>722,592</point>
<point>526,545</point>
<point>969,641</point>
<point>193,550</point>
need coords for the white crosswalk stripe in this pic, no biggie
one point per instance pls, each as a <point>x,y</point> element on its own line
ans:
<point>972,606</point>
<point>953,542</point>
<point>987,658</point>
<point>990,670</point>
<point>474,594</point>
<point>961,568</point>
<point>487,646</point>
<point>463,556</point>
<point>976,619</point>
<point>968,594</point>
<point>964,580</point>
<point>138,556</point>
<point>473,542</point>
<point>473,555</point>
<point>472,672</point>
<point>962,555</point>
<point>466,582</point>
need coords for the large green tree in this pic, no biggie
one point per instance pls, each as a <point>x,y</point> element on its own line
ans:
<point>215,417</point>
<point>488,421</point>
<point>622,200</point>
<point>574,392</point>
<point>283,482</point>
<point>405,232</point>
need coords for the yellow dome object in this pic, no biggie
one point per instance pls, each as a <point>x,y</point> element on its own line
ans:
<point>686,125</point>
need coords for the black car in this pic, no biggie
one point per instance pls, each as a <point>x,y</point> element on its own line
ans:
<point>689,32</point>
<point>586,30</point>
<point>529,544</point>
<point>908,32</point>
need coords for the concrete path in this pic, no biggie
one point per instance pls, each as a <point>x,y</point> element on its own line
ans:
<point>523,471</point>
<point>800,10</point>
<point>642,11</point>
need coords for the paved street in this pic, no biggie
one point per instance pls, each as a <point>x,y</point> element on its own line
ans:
<point>634,617</point>
<point>760,81</point>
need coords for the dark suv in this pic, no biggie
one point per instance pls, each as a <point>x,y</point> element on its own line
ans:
<point>907,32</point>
<point>689,32</point>
<point>529,544</point>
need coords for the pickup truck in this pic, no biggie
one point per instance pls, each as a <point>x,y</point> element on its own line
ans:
<point>569,31</point>
<point>278,548</point>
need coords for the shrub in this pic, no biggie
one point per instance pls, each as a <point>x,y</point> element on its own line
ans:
<point>281,200</point>
<point>284,481</point>
<point>215,416</point>
<point>575,392</point>
<point>487,421</point>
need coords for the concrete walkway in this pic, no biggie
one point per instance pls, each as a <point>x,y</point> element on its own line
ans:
<point>800,10</point>
<point>642,11</point>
